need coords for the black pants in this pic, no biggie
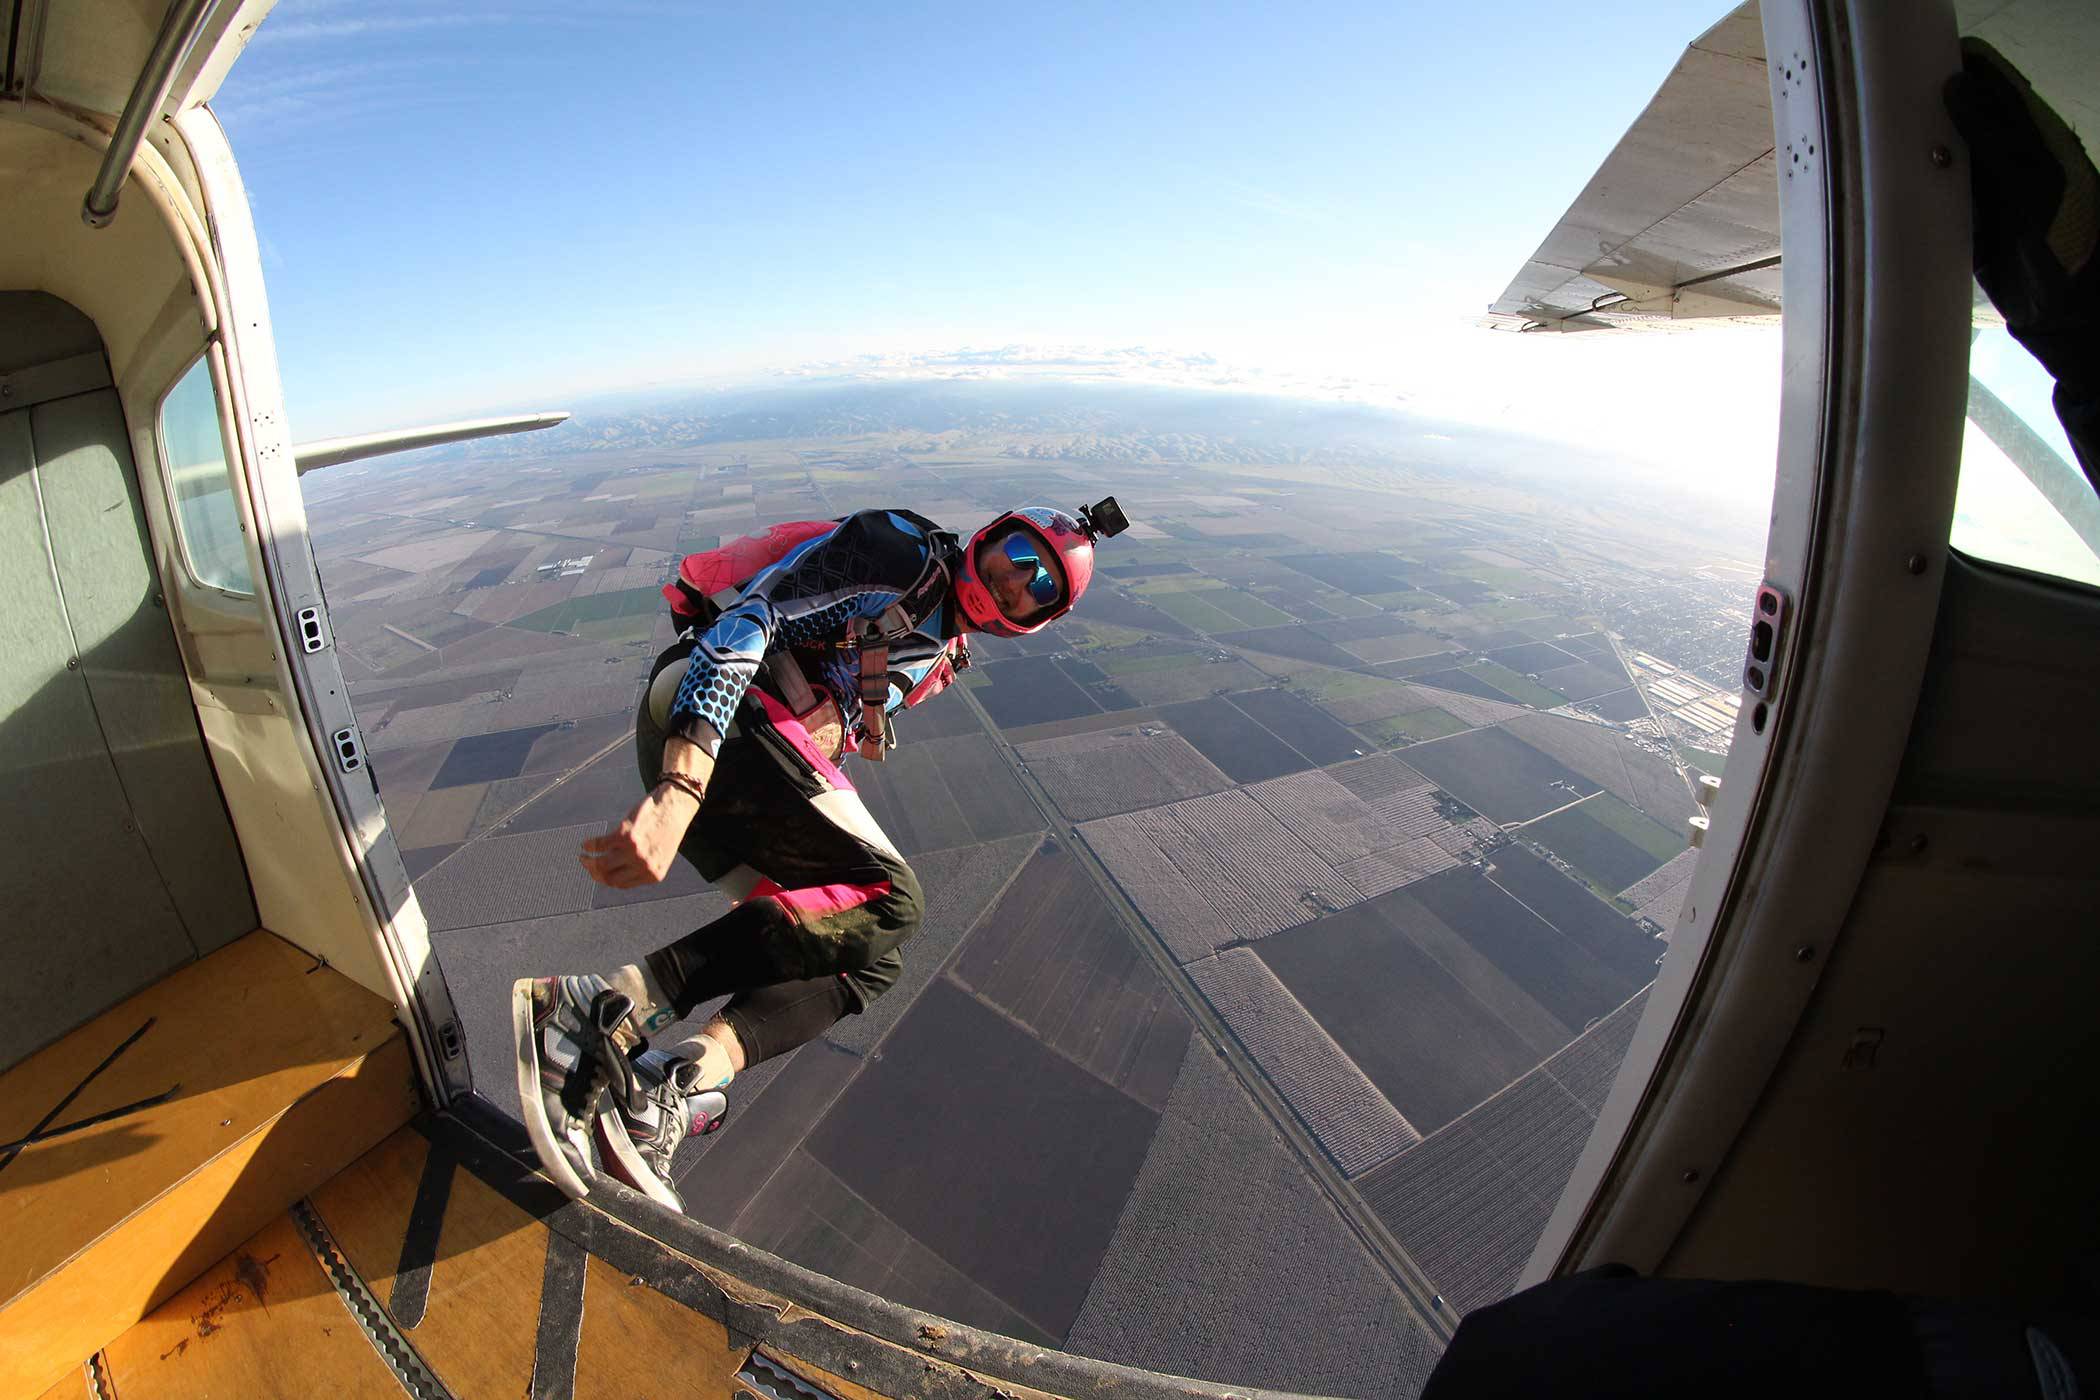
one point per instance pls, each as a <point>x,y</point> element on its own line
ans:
<point>826,901</point>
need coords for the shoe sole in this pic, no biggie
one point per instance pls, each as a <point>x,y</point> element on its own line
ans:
<point>625,1163</point>
<point>558,1157</point>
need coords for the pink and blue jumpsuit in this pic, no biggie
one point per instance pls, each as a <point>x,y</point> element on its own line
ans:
<point>827,903</point>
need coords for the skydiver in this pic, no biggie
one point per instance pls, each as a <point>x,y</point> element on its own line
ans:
<point>830,628</point>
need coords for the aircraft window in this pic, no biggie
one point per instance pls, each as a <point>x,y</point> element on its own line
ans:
<point>2021,499</point>
<point>193,452</point>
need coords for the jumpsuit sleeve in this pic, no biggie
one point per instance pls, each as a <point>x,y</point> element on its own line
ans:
<point>810,596</point>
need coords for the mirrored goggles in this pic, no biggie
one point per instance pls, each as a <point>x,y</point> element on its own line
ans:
<point>1044,587</point>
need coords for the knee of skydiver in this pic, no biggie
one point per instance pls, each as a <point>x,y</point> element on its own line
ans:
<point>907,903</point>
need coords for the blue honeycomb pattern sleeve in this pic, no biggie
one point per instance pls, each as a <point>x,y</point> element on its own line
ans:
<point>808,597</point>
<point>724,659</point>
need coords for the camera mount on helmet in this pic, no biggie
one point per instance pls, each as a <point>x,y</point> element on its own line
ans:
<point>1104,519</point>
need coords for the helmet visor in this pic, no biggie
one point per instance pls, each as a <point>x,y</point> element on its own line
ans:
<point>1023,552</point>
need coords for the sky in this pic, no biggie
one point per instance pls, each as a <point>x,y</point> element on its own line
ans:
<point>469,209</point>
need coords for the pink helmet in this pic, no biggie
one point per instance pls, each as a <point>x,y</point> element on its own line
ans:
<point>1070,541</point>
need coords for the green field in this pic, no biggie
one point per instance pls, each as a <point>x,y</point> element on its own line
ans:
<point>1134,665</point>
<point>622,616</point>
<point>1172,583</point>
<point>1217,610</point>
<point>1250,610</point>
<point>1642,830</point>
<point>1342,604</point>
<point>1517,687</point>
<point>1422,724</point>
<point>1323,683</point>
<point>1092,632</point>
<point>1705,760</point>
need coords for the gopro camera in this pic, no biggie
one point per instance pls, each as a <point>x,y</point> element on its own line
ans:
<point>1104,518</point>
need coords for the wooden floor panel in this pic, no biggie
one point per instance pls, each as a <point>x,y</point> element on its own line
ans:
<point>479,1328</point>
<point>262,1322</point>
<point>73,1387</point>
<point>286,1071</point>
<point>498,1307</point>
<point>636,1344</point>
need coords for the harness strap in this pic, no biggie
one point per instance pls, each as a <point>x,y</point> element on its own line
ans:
<point>874,689</point>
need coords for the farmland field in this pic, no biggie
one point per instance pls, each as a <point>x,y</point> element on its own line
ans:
<point>1056,958</point>
<point>1238,744</point>
<point>1467,681</point>
<point>1415,727</point>
<point>1583,680</point>
<point>1429,1045</point>
<point>1611,760</point>
<point>1607,859</point>
<point>1555,970</point>
<point>484,757</point>
<point>1498,774</point>
<point>1195,610</point>
<point>1250,610</point>
<point>1401,646</point>
<point>1095,682</point>
<point>1293,642</point>
<point>1360,629</point>
<point>1118,770</point>
<point>1642,830</point>
<point>626,614</point>
<point>1415,667</point>
<point>1301,724</point>
<point>1619,705</point>
<point>1532,657</point>
<point>1517,687</point>
<point>1191,682</point>
<point>1120,609</point>
<point>1029,690</point>
<point>943,793</point>
<point>1590,923</point>
<point>909,1137</point>
<point>1362,574</point>
<point>1116,664</point>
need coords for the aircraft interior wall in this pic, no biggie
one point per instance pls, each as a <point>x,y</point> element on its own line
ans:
<point>145,287</point>
<point>120,862</point>
<point>1922,1132</point>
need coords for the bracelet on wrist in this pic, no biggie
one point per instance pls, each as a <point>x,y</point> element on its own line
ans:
<point>689,786</point>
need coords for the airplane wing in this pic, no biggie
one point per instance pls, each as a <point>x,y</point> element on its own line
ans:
<point>1681,222</point>
<point>1682,219</point>
<point>333,452</point>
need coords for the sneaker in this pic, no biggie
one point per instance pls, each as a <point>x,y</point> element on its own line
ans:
<point>641,1138</point>
<point>578,1024</point>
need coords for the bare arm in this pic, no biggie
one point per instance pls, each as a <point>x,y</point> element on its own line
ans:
<point>639,849</point>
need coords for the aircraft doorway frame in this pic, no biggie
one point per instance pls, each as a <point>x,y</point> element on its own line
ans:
<point>1869,448</point>
<point>290,586</point>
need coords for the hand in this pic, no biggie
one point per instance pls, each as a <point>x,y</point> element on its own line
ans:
<point>639,850</point>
